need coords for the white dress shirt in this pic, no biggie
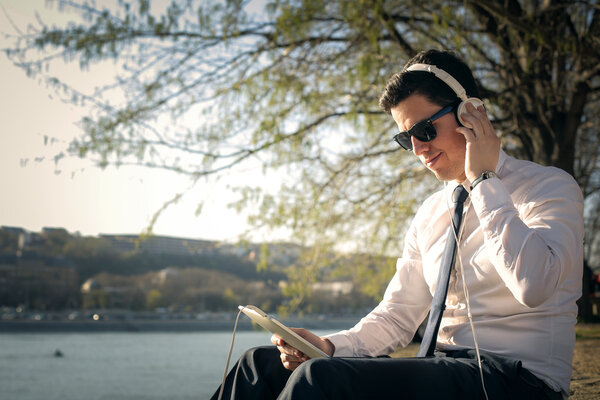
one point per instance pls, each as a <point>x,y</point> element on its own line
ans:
<point>522,255</point>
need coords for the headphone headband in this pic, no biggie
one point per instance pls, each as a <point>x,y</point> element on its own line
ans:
<point>443,76</point>
<point>454,85</point>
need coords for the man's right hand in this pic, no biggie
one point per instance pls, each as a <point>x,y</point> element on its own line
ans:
<point>291,357</point>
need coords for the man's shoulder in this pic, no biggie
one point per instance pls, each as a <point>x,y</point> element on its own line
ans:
<point>530,169</point>
<point>528,176</point>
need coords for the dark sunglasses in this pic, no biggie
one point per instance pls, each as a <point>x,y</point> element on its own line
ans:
<point>424,130</point>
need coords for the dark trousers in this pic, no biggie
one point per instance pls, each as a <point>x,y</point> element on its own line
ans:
<point>453,375</point>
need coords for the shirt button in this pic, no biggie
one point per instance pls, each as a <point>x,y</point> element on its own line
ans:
<point>489,234</point>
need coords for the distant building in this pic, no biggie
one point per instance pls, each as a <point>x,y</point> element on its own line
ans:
<point>13,229</point>
<point>89,286</point>
<point>336,289</point>
<point>25,237</point>
<point>38,286</point>
<point>47,230</point>
<point>94,295</point>
<point>333,288</point>
<point>158,244</point>
<point>165,275</point>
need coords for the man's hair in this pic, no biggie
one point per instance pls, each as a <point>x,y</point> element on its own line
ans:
<point>406,83</point>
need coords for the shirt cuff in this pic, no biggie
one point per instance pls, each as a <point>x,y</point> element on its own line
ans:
<point>343,346</point>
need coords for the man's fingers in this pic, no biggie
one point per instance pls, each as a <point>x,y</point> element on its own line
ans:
<point>290,365</point>
<point>291,362</point>
<point>289,350</point>
<point>473,117</point>
<point>276,340</point>
<point>477,117</point>
<point>292,353</point>
<point>467,133</point>
<point>291,357</point>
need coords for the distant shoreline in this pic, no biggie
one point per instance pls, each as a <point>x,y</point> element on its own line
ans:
<point>244,324</point>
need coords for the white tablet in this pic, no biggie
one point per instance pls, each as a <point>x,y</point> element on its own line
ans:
<point>276,327</point>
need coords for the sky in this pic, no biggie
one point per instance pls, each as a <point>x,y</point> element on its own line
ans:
<point>76,195</point>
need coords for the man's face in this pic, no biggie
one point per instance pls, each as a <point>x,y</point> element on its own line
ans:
<point>444,155</point>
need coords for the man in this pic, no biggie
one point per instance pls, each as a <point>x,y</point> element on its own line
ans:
<point>519,256</point>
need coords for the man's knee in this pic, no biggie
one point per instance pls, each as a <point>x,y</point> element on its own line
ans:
<point>321,378</point>
<point>260,352</point>
<point>316,369</point>
<point>258,357</point>
<point>314,373</point>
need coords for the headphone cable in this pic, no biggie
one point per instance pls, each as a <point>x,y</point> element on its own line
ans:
<point>229,356</point>
<point>465,290</point>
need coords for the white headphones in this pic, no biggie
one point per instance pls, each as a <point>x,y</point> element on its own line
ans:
<point>454,85</point>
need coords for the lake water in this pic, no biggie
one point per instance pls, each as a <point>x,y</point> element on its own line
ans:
<point>118,366</point>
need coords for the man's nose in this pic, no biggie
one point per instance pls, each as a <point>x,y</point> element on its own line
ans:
<point>418,146</point>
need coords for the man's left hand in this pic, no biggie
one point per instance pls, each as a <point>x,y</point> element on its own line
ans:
<point>483,146</point>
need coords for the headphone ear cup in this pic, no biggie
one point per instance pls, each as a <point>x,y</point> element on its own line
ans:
<point>462,109</point>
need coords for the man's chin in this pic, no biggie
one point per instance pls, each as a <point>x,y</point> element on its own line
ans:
<point>441,176</point>
<point>445,176</point>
